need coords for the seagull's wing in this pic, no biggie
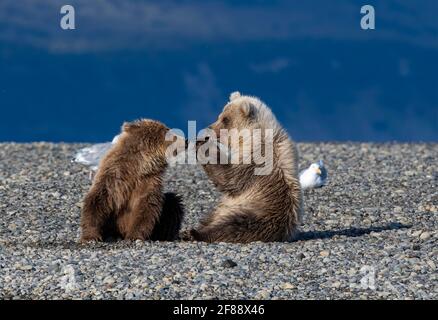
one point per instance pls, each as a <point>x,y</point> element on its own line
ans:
<point>307,179</point>
<point>91,156</point>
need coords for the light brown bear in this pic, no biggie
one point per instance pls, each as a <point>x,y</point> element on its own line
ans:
<point>255,207</point>
<point>126,198</point>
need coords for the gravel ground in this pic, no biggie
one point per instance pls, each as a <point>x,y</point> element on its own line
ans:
<point>371,233</point>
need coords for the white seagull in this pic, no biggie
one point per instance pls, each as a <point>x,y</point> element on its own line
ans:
<point>314,177</point>
<point>91,156</point>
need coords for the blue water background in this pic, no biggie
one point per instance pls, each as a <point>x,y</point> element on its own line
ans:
<point>324,77</point>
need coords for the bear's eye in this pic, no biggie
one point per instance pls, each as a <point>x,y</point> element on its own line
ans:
<point>225,120</point>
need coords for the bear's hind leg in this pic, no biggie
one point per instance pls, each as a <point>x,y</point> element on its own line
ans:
<point>236,227</point>
<point>169,224</point>
<point>145,209</point>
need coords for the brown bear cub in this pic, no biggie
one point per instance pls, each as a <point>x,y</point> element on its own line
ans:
<point>126,198</point>
<point>255,207</point>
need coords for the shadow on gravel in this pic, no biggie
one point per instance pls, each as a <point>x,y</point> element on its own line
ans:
<point>351,232</point>
<point>306,235</point>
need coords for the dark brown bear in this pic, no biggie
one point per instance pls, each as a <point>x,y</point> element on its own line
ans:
<point>126,198</point>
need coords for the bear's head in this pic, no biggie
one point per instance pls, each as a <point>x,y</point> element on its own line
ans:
<point>243,133</point>
<point>151,137</point>
<point>244,112</point>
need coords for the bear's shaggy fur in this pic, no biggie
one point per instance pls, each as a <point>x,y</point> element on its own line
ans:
<point>126,197</point>
<point>254,207</point>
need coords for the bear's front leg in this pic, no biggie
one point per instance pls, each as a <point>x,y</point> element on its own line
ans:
<point>188,235</point>
<point>195,235</point>
<point>92,235</point>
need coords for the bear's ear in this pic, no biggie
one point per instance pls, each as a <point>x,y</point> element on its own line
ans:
<point>234,95</point>
<point>248,110</point>
<point>130,126</point>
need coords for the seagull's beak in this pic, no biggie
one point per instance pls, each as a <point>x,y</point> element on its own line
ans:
<point>318,171</point>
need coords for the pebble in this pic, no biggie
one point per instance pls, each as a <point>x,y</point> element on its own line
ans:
<point>109,280</point>
<point>287,286</point>
<point>425,236</point>
<point>228,263</point>
<point>417,233</point>
<point>26,267</point>
<point>324,253</point>
<point>431,264</point>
